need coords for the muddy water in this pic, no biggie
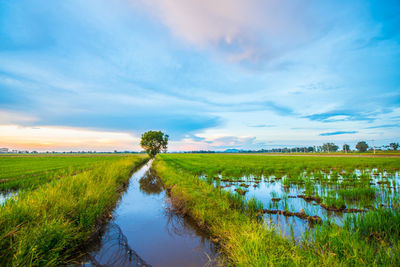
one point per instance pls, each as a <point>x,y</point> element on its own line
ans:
<point>145,231</point>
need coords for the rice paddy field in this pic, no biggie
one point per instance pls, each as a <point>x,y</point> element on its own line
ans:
<point>56,203</point>
<point>258,210</point>
<point>28,171</point>
<point>318,210</point>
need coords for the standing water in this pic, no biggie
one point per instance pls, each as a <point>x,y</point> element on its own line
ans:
<point>145,231</point>
<point>4,196</point>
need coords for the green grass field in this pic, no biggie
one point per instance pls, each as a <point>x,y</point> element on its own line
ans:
<point>329,187</point>
<point>47,221</point>
<point>27,171</point>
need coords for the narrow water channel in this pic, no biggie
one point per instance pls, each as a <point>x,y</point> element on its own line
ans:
<point>145,231</point>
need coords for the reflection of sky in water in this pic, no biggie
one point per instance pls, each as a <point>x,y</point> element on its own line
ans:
<point>155,234</point>
<point>266,190</point>
<point>4,196</point>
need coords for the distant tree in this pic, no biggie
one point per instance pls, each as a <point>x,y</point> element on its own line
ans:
<point>154,142</point>
<point>329,147</point>
<point>362,146</point>
<point>346,148</point>
<point>395,146</point>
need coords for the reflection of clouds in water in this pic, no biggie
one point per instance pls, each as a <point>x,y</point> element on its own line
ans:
<point>114,250</point>
<point>284,226</point>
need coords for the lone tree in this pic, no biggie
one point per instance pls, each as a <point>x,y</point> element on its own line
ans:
<point>154,142</point>
<point>394,146</point>
<point>362,146</point>
<point>346,148</point>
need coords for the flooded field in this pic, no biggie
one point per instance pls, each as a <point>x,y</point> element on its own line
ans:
<point>296,193</point>
<point>284,199</point>
<point>146,231</point>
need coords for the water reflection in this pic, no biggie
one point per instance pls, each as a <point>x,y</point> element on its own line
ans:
<point>145,230</point>
<point>112,249</point>
<point>265,188</point>
<point>150,183</point>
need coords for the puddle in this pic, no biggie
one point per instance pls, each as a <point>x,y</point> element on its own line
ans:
<point>4,196</point>
<point>145,231</point>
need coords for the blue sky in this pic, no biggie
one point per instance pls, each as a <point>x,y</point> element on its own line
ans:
<point>212,74</point>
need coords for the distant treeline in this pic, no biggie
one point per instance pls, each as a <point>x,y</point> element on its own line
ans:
<point>361,146</point>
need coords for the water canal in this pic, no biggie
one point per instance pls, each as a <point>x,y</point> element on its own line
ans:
<point>145,231</point>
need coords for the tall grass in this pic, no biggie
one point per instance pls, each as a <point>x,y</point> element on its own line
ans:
<point>27,172</point>
<point>44,226</point>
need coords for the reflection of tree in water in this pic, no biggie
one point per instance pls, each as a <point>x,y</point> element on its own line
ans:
<point>115,250</point>
<point>150,183</point>
<point>185,226</point>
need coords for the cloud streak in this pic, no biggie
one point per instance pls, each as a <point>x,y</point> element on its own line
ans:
<point>338,133</point>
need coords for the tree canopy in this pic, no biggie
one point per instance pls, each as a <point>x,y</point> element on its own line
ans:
<point>154,142</point>
<point>362,146</point>
<point>329,147</point>
<point>394,146</point>
<point>346,148</point>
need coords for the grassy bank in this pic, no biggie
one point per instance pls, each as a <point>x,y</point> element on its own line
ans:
<point>44,226</point>
<point>232,220</point>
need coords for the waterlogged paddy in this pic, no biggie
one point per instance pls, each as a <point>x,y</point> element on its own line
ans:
<point>4,196</point>
<point>296,192</point>
<point>145,231</point>
<point>280,194</point>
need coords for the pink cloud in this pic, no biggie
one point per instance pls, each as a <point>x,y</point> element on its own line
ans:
<point>241,29</point>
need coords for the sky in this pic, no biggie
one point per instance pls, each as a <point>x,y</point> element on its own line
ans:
<point>244,74</point>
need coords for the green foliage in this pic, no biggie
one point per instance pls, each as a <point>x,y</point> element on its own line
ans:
<point>394,146</point>
<point>329,147</point>
<point>154,142</point>
<point>346,148</point>
<point>362,146</point>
